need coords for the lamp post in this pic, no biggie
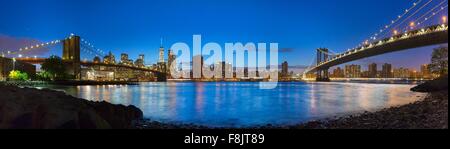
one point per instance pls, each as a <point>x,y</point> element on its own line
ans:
<point>14,63</point>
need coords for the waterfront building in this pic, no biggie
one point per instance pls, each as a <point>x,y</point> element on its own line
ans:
<point>285,69</point>
<point>124,59</point>
<point>372,70</point>
<point>386,71</point>
<point>338,73</point>
<point>140,61</point>
<point>197,67</point>
<point>352,71</point>
<point>109,59</point>
<point>425,71</point>
<point>402,73</point>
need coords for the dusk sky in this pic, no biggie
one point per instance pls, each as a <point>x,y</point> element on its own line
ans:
<point>136,26</point>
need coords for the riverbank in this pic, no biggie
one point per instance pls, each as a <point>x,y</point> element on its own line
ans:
<point>66,83</point>
<point>29,108</point>
<point>428,113</point>
<point>33,108</point>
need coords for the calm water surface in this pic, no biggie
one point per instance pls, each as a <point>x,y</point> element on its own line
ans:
<point>226,104</point>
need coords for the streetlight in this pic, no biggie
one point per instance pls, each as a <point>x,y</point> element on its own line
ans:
<point>444,19</point>
<point>395,32</point>
<point>412,25</point>
<point>14,63</point>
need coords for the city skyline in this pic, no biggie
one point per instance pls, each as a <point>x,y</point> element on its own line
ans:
<point>296,43</point>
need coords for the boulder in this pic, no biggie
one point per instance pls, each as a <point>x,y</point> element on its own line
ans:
<point>438,84</point>
<point>27,108</point>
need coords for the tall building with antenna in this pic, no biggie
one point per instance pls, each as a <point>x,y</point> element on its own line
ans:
<point>161,52</point>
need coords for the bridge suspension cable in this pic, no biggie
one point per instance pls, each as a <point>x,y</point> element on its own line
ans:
<point>433,15</point>
<point>417,11</point>
<point>386,27</point>
<point>430,11</point>
<point>21,51</point>
<point>91,49</point>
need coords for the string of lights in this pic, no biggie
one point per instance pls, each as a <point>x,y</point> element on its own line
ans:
<point>444,18</point>
<point>418,10</point>
<point>431,10</point>
<point>20,51</point>
<point>386,27</point>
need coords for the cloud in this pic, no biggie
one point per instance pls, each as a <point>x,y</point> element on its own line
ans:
<point>13,44</point>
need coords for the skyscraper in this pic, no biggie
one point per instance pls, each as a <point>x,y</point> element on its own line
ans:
<point>161,53</point>
<point>171,64</point>
<point>109,59</point>
<point>352,71</point>
<point>425,71</point>
<point>338,73</point>
<point>372,70</point>
<point>140,61</point>
<point>285,69</point>
<point>386,71</point>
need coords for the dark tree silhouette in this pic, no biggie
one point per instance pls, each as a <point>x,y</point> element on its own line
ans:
<point>439,61</point>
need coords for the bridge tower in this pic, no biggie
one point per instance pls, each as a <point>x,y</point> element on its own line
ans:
<point>322,56</point>
<point>71,56</point>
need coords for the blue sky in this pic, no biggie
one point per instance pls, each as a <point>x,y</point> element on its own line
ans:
<point>136,26</point>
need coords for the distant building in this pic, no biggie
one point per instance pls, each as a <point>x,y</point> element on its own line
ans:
<point>372,70</point>
<point>97,60</point>
<point>161,54</point>
<point>109,59</point>
<point>285,69</point>
<point>140,61</point>
<point>402,73</point>
<point>197,67</point>
<point>386,71</point>
<point>171,63</point>
<point>124,59</point>
<point>352,71</point>
<point>338,73</point>
<point>425,71</point>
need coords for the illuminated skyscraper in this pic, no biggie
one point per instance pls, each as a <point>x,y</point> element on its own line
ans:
<point>161,53</point>
<point>140,61</point>
<point>109,59</point>
<point>352,71</point>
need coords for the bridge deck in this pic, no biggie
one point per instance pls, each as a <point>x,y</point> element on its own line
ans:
<point>414,39</point>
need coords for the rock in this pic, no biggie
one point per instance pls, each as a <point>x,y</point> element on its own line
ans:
<point>25,108</point>
<point>438,84</point>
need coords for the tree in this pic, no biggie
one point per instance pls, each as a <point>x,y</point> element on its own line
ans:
<point>44,76</point>
<point>54,66</point>
<point>439,61</point>
<point>18,76</point>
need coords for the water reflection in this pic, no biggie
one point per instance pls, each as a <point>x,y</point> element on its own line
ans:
<point>244,104</point>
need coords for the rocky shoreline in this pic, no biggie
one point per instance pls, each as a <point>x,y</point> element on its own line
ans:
<point>428,113</point>
<point>28,108</point>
